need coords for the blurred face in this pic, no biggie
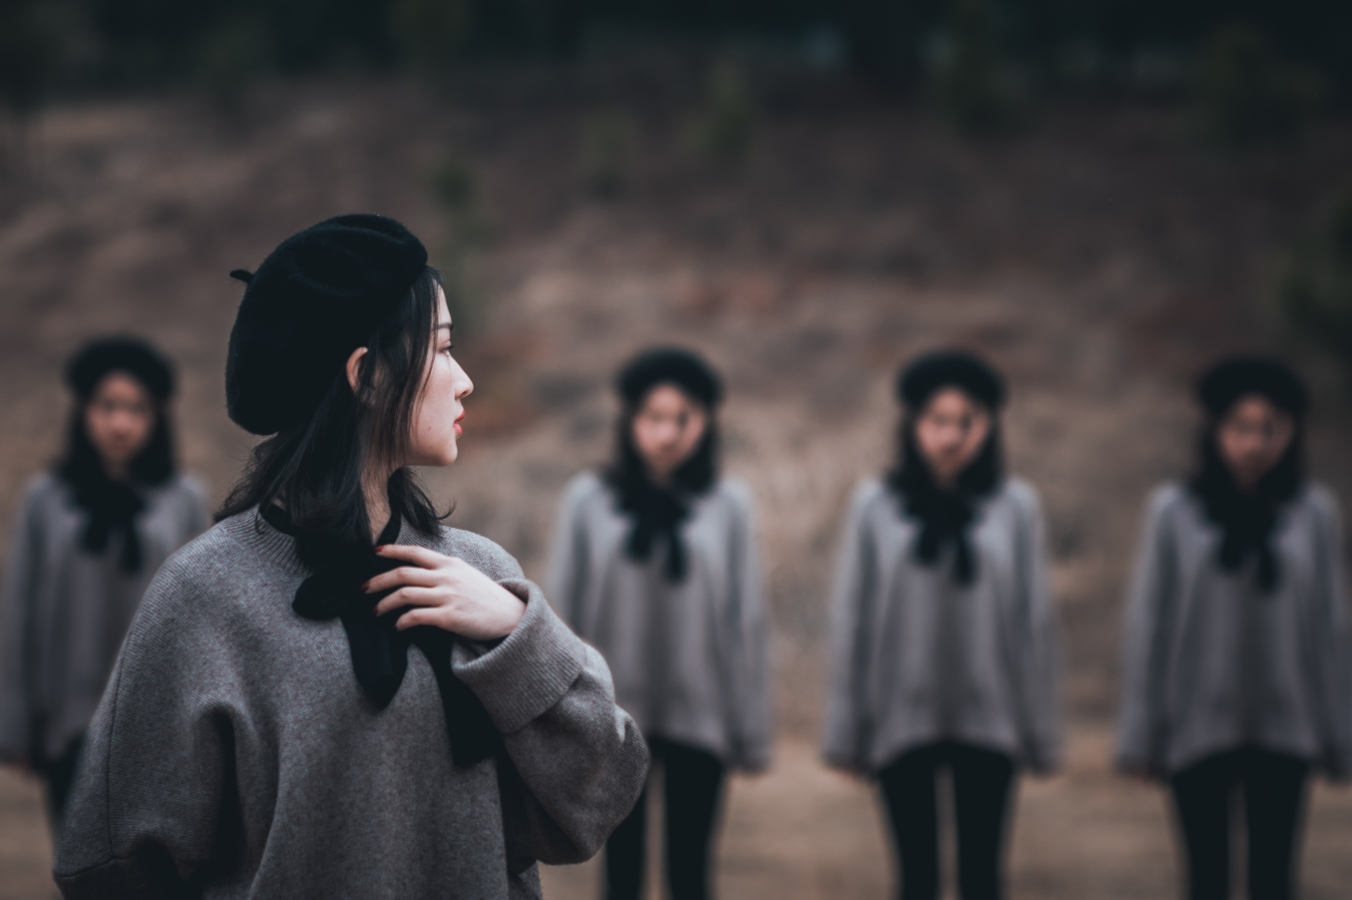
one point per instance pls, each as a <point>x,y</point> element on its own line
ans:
<point>119,419</point>
<point>950,432</point>
<point>667,429</point>
<point>1252,437</point>
<point>440,406</point>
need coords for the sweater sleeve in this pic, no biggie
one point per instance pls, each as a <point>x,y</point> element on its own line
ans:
<point>752,728</point>
<point>1333,646</point>
<point>1041,660</point>
<point>575,761</point>
<point>567,573</point>
<point>16,607</point>
<point>152,791</point>
<point>847,733</point>
<point>1141,729</point>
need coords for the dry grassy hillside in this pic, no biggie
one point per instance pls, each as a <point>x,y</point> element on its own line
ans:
<point>1100,261</point>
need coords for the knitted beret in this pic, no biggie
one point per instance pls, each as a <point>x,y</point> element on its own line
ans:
<point>315,299</point>
<point>1234,377</point>
<point>668,365</point>
<point>132,355</point>
<point>929,373</point>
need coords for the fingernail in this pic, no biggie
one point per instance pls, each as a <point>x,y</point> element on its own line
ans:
<point>366,587</point>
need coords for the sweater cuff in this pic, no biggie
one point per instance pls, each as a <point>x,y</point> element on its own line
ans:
<point>530,671</point>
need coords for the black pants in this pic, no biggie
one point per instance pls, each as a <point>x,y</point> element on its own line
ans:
<point>1273,786</point>
<point>693,782</point>
<point>982,780</point>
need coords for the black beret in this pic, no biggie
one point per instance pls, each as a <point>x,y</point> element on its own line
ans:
<point>315,299</point>
<point>132,355</point>
<point>668,365</point>
<point>925,375</point>
<point>1237,376</point>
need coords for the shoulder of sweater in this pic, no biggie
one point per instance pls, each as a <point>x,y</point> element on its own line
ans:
<point>202,575</point>
<point>191,484</point>
<point>584,486</point>
<point>480,552</point>
<point>734,490</point>
<point>1322,499</point>
<point>1022,492</point>
<point>41,487</point>
<point>867,491</point>
<point>1164,498</point>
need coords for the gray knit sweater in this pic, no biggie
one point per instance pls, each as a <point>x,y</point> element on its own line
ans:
<point>65,610</point>
<point>690,659</point>
<point>917,658</point>
<point>234,754</point>
<point>1212,663</point>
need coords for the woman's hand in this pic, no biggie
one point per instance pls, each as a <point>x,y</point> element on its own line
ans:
<point>446,592</point>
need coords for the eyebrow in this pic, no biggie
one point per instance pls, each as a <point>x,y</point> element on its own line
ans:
<point>449,326</point>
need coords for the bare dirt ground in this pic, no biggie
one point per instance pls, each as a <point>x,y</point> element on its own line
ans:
<point>1101,260</point>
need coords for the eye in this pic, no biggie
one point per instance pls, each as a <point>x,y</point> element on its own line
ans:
<point>448,348</point>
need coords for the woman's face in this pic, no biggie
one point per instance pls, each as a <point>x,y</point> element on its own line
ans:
<point>950,431</point>
<point>119,419</point>
<point>1252,437</point>
<point>667,429</point>
<point>440,407</point>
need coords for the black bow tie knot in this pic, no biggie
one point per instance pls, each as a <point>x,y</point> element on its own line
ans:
<point>380,650</point>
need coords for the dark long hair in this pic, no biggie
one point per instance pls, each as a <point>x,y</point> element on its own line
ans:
<point>80,464</point>
<point>910,476</point>
<point>1211,476</point>
<point>1246,518</point>
<point>314,470</point>
<point>626,470</point>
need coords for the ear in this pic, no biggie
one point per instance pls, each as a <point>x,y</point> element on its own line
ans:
<point>353,368</point>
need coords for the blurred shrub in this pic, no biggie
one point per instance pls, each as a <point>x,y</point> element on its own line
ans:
<point>1315,290</point>
<point>977,91</point>
<point>231,58</point>
<point>1245,94</point>
<point>723,127</point>
<point>606,151</point>
<point>29,54</point>
<point>430,31</point>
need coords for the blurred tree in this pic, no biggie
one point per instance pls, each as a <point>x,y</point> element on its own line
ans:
<point>1315,290</point>
<point>1245,94</point>
<point>977,90</point>
<point>29,55</point>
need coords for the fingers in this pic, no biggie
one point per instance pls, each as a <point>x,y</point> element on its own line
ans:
<point>422,615</point>
<point>419,556</point>
<point>413,576</point>
<point>410,596</point>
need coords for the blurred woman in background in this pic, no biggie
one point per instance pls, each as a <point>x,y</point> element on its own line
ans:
<point>655,563</point>
<point>85,542</point>
<point>944,654</point>
<point>1238,668</point>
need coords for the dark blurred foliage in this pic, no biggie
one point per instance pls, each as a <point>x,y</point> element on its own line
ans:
<point>1109,45</point>
<point>1315,290</point>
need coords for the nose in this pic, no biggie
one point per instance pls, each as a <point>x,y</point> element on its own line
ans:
<point>464,385</point>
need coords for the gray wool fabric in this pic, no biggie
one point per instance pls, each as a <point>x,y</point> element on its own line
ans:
<point>1212,663</point>
<point>65,610</point>
<point>918,658</point>
<point>690,659</point>
<point>234,754</point>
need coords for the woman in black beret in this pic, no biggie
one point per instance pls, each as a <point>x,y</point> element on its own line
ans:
<point>944,653</point>
<point>1238,661</point>
<point>654,562</point>
<point>330,694</point>
<point>86,540</point>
